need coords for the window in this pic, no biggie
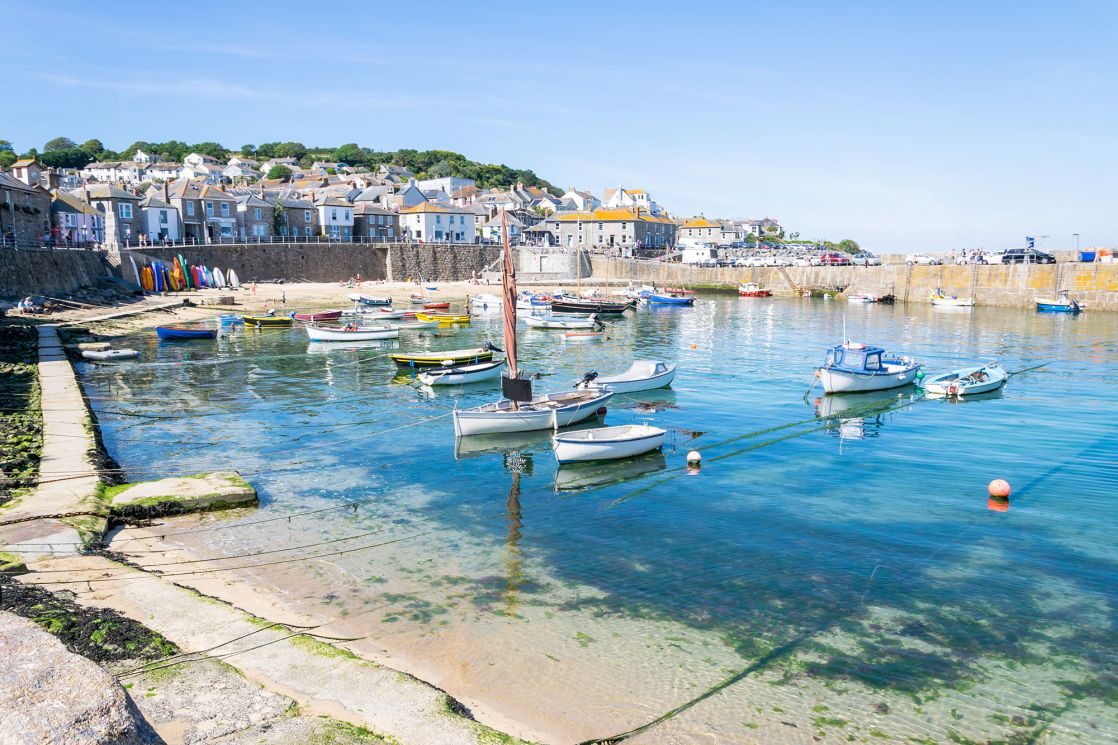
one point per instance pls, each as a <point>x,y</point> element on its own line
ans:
<point>209,209</point>
<point>226,230</point>
<point>308,231</point>
<point>438,221</point>
<point>163,217</point>
<point>389,232</point>
<point>190,209</point>
<point>225,209</point>
<point>333,215</point>
<point>256,213</point>
<point>125,211</point>
<point>347,216</point>
<point>307,217</point>
<point>258,230</point>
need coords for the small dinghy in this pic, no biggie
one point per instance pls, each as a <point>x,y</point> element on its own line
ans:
<point>177,333</point>
<point>390,314</point>
<point>607,443</point>
<point>440,359</point>
<point>952,301</point>
<point>370,299</point>
<point>415,325</point>
<point>419,299</point>
<point>325,315</point>
<point>1060,304</point>
<point>548,411</point>
<point>642,375</point>
<point>110,355</point>
<point>590,306</point>
<point>673,299</point>
<point>486,303</point>
<point>268,321</point>
<point>555,322</point>
<point>462,374</point>
<point>968,381</point>
<point>584,335</point>
<point>430,287</point>
<point>436,306</point>
<point>352,333</point>
<point>443,317</point>
<point>752,289</point>
<point>852,367</point>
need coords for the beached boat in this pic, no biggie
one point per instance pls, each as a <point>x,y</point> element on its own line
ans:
<point>1060,304</point>
<point>352,333</point>
<point>671,299</point>
<point>184,332</point>
<point>325,315</point>
<point>418,299</point>
<point>443,317</point>
<point>370,299</point>
<point>390,314</point>
<point>441,358</point>
<point>486,303</point>
<point>110,355</point>
<point>268,321</point>
<point>952,301</point>
<point>415,325</point>
<point>752,289</point>
<point>642,375</point>
<point>607,443</point>
<point>462,374</point>
<point>851,367</point>
<point>967,381</point>
<point>436,306</point>
<point>555,322</point>
<point>589,305</point>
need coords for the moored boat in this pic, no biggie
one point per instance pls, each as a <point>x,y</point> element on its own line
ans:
<point>642,375</point>
<point>486,303</point>
<point>436,306</point>
<point>967,381</point>
<point>370,299</point>
<point>1060,304</point>
<point>184,332</point>
<point>443,317</point>
<point>540,412</point>
<point>952,301</point>
<point>109,355</point>
<point>390,314</point>
<point>268,321</point>
<point>462,374</point>
<point>584,335</point>
<point>352,333</point>
<point>752,289</point>
<point>418,299</point>
<point>441,358</point>
<point>555,322</point>
<point>607,443</point>
<point>851,367</point>
<point>662,299</point>
<point>324,315</point>
<point>589,305</point>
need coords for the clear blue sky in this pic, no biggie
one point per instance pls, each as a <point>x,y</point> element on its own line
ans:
<point>902,125</point>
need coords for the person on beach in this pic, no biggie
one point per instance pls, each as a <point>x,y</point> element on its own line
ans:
<point>254,287</point>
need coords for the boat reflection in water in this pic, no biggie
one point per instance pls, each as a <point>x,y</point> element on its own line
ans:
<point>576,476</point>
<point>856,416</point>
<point>504,444</point>
<point>324,347</point>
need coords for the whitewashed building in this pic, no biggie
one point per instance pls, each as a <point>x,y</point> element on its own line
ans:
<point>161,220</point>
<point>335,218</point>
<point>438,223</point>
<point>621,198</point>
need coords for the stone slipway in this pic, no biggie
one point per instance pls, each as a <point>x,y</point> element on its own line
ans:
<point>321,678</point>
<point>68,481</point>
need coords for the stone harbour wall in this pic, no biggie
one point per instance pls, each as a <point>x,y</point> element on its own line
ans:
<point>53,272</point>
<point>435,263</point>
<point>1017,285</point>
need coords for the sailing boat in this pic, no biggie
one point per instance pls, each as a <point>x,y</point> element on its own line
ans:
<point>519,410</point>
<point>579,304</point>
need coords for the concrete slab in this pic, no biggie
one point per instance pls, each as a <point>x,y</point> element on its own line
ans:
<point>208,491</point>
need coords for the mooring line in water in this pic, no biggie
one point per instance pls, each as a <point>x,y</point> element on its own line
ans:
<point>146,575</point>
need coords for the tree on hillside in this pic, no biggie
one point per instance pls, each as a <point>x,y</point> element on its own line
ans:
<point>350,153</point>
<point>70,157</point>
<point>6,146</point>
<point>849,246</point>
<point>7,157</point>
<point>278,172</point>
<point>171,150</point>
<point>441,169</point>
<point>290,150</point>
<point>93,147</point>
<point>128,152</point>
<point>248,150</point>
<point>59,143</point>
<point>212,149</point>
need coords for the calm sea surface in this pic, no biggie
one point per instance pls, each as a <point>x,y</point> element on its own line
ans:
<point>834,570</point>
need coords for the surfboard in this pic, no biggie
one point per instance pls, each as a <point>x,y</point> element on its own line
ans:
<point>219,278</point>
<point>209,277</point>
<point>185,272</point>
<point>234,280</point>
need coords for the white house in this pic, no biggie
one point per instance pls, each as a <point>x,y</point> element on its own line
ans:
<point>141,157</point>
<point>235,171</point>
<point>335,218</point>
<point>630,198</point>
<point>449,184</point>
<point>127,171</point>
<point>198,159</point>
<point>161,219</point>
<point>583,201</point>
<point>491,230</point>
<point>438,223</point>
<point>162,170</point>
<point>698,253</point>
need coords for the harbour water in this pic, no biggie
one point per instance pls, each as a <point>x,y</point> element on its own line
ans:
<point>833,571</point>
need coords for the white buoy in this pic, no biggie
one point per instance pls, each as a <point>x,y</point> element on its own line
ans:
<point>694,458</point>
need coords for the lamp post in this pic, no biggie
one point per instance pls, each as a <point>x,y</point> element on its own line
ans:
<point>1076,236</point>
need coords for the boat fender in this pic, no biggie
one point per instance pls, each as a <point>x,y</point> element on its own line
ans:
<point>952,390</point>
<point>602,411</point>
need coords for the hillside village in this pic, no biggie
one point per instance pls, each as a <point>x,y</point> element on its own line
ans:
<point>145,200</point>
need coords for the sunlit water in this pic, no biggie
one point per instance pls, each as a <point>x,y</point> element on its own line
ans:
<point>835,566</point>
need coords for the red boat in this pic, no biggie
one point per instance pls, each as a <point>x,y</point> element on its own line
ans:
<point>326,315</point>
<point>752,289</point>
<point>436,306</point>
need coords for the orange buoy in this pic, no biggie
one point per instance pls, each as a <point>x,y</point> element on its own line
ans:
<point>999,489</point>
<point>997,505</point>
<point>694,346</point>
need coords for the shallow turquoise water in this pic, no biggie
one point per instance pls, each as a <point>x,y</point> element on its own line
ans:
<point>843,547</point>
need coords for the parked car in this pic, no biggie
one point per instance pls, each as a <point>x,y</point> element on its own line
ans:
<point>803,261</point>
<point>865,258</point>
<point>1026,256</point>
<point>834,259</point>
<point>921,260</point>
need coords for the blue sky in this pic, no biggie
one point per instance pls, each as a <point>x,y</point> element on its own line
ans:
<point>902,125</point>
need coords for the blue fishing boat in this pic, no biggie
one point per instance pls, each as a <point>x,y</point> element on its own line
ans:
<point>1060,304</point>
<point>184,332</point>
<point>672,299</point>
<point>853,367</point>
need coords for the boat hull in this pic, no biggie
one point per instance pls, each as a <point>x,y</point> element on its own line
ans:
<point>329,315</point>
<point>462,375</point>
<point>953,302</point>
<point>1058,307</point>
<point>437,359</point>
<point>607,443</point>
<point>110,355</point>
<point>669,300</point>
<point>955,383</point>
<point>619,383</point>
<point>442,318</point>
<point>583,306</point>
<point>267,321</point>
<point>485,421</point>
<point>836,380</point>
<point>320,334</point>
<point>176,334</point>
<point>550,322</point>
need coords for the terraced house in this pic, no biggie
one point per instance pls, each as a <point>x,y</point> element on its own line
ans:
<point>124,221</point>
<point>374,223</point>
<point>220,214</point>
<point>255,218</point>
<point>24,211</point>
<point>438,223</point>
<point>620,229</point>
<point>335,218</point>
<point>296,218</point>
<point>703,230</point>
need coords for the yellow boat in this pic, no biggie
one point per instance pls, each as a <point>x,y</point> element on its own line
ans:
<point>442,317</point>
<point>438,359</point>
<point>267,321</point>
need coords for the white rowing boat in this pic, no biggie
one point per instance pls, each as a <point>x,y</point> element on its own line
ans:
<point>607,443</point>
<point>952,301</point>
<point>548,411</point>
<point>968,381</point>
<point>109,355</point>
<point>555,322</point>
<point>642,375</point>
<point>359,333</point>
<point>462,374</point>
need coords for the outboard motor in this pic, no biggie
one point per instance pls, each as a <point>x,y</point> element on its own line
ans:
<point>492,347</point>
<point>586,379</point>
